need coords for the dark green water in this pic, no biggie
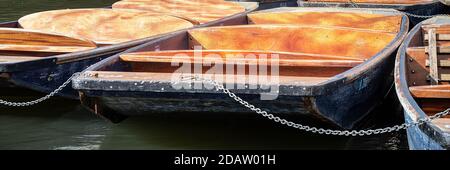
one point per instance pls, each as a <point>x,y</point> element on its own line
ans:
<point>64,124</point>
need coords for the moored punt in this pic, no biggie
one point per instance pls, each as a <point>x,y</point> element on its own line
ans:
<point>422,82</point>
<point>416,7</point>
<point>47,71</point>
<point>328,70</point>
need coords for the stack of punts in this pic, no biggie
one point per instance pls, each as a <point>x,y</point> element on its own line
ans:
<point>334,65</point>
<point>416,7</point>
<point>43,50</point>
<point>422,79</point>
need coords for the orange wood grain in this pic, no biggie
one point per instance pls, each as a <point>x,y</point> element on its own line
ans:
<point>427,91</point>
<point>201,11</point>
<point>13,39</point>
<point>342,19</point>
<point>103,26</point>
<point>346,42</point>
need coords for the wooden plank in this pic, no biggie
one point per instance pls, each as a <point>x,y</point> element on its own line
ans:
<point>370,21</point>
<point>167,77</point>
<point>430,91</point>
<point>417,68</point>
<point>444,77</point>
<point>13,39</point>
<point>294,38</point>
<point>224,57</point>
<point>440,49</point>
<point>104,26</point>
<point>439,37</point>
<point>433,57</point>
<point>441,63</point>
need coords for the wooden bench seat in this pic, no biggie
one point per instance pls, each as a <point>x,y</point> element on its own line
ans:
<point>239,56</point>
<point>431,91</point>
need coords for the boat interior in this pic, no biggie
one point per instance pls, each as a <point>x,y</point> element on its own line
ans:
<point>377,1</point>
<point>428,70</point>
<point>198,11</point>
<point>24,45</point>
<point>319,47</point>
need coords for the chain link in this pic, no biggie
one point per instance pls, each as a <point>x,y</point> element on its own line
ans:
<point>46,97</point>
<point>312,129</point>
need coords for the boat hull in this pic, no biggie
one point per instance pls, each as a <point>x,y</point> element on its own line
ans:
<point>343,105</point>
<point>417,139</point>
<point>419,9</point>
<point>426,136</point>
<point>48,73</point>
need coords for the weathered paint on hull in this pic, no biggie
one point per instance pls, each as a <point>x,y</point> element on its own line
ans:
<point>422,9</point>
<point>47,79</point>
<point>343,107</point>
<point>417,139</point>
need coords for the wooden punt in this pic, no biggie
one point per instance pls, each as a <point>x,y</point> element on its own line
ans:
<point>45,73</point>
<point>418,7</point>
<point>328,69</point>
<point>422,80</point>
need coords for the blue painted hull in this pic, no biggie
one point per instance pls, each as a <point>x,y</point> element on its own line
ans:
<point>417,139</point>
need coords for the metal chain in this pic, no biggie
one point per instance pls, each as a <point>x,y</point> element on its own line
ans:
<point>312,129</point>
<point>46,97</point>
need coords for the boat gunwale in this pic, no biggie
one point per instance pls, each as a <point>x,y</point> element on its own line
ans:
<point>87,54</point>
<point>322,88</point>
<point>401,7</point>
<point>409,104</point>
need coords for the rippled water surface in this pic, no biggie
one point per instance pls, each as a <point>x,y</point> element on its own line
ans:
<point>64,124</point>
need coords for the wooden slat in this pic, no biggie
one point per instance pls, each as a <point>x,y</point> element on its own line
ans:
<point>284,59</point>
<point>201,11</point>
<point>430,91</point>
<point>433,57</point>
<point>444,77</point>
<point>441,63</point>
<point>440,49</point>
<point>439,37</point>
<point>13,39</point>
<point>103,26</point>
